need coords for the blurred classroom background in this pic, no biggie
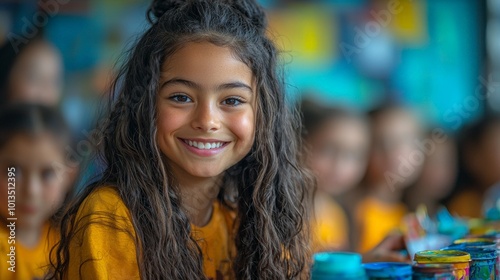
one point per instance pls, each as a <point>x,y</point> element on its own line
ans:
<point>439,57</point>
<point>433,55</point>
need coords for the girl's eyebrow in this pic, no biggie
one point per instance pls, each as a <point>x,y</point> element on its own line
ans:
<point>230,85</point>
<point>180,81</point>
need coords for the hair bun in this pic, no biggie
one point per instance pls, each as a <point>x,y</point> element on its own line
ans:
<point>253,11</point>
<point>159,7</point>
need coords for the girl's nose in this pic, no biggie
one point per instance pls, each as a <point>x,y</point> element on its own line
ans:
<point>206,117</point>
<point>32,186</point>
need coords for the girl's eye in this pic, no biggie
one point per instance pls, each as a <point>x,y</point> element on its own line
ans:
<point>232,101</point>
<point>180,98</point>
<point>48,174</point>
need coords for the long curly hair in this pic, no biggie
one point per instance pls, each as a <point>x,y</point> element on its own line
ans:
<point>269,186</point>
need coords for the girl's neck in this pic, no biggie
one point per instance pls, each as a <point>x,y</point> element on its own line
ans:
<point>322,199</point>
<point>416,198</point>
<point>198,196</point>
<point>29,237</point>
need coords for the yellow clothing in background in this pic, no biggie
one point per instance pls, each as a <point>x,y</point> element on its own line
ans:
<point>375,219</point>
<point>330,228</point>
<point>104,245</point>
<point>30,263</point>
<point>467,204</point>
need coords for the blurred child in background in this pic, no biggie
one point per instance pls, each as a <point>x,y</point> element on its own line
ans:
<point>395,131</point>
<point>30,73</point>
<point>438,174</point>
<point>32,144</point>
<point>479,166</point>
<point>337,141</point>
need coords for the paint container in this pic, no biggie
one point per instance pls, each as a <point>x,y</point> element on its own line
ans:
<point>458,259</point>
<point>483,264</point>
<point>337,265</point>
<point>433,272</point>
<point>494,237</point>
<point>483,243</point>
<point>388,271</point>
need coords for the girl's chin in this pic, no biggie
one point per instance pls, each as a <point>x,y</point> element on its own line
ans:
<point>206,173</point>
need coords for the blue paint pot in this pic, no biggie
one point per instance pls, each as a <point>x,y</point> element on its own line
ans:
<point>388,271</point>
<point>337,265</point>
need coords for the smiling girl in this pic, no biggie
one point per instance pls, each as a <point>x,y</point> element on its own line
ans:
<point>203,177</point>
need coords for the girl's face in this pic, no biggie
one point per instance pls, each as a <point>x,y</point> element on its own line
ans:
<point>39,187</point>
<point>36,76</point>
<point>439,171</point>
<point>206,110</point>
<point>339,154</point>
<point>395,134</point>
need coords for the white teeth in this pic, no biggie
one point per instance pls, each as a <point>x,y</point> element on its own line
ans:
<point>204,146</point>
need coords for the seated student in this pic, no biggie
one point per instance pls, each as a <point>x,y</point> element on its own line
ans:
<point>390,170</point>
<point>337,142</point>
<point>33,163</point>
<point>30,74</point>
<point>479,150</point>
<point>438,176</point>
<point>203,178</point>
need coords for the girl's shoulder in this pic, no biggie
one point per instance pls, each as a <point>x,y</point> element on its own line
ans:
<point>104,201</point>
<point>103,197</point>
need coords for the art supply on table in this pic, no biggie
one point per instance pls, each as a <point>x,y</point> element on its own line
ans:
<point>433,272</point>
<point>483,265</point>
<point>417,238</point>
<point>458,259</point>
<point>388,271</point>
<point>337,265</point>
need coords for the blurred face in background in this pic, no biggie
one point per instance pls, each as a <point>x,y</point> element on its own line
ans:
<point>395,134</point>
<point>439,171</point>
<point>41,182</point>
<point>338,157</point>
<point>36,76</point>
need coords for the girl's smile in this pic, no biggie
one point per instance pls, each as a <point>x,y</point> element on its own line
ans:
<point>206,110</point>
<point>204,147</point>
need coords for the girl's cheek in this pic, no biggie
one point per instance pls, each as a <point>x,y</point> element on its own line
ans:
<point>54,195</point>
<point>244,126</point>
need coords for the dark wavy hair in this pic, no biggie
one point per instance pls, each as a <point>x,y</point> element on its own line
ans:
<point>270,185</point>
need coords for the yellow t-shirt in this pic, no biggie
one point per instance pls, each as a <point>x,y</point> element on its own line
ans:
<point>30,263</point>
<point>330,228</point>
<point>104,243</point>
<point>375,220</point>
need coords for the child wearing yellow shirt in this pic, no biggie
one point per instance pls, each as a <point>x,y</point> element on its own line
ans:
<point>34,179</point>
<point>107,235</point>
<point>479,146</point>
<point>337,142</point>
<point>394,164</point>
<point>202,177</point>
